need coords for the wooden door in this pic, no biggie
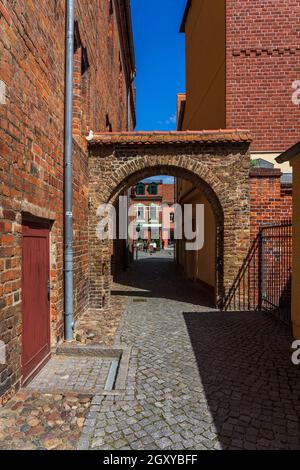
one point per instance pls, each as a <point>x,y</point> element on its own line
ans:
<point>35,299</point>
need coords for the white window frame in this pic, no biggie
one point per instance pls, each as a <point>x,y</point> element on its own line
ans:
<point>156,207</point>
<point>141,208</point>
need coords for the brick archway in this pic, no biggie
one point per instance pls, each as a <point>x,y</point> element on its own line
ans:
<point>216,162</point>
<point>168,168</point>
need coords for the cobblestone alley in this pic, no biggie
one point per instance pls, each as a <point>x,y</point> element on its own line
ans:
<point>198,378</point>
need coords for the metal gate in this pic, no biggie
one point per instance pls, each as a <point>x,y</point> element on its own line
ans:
<point>276,269</point>
<point>264,280</point>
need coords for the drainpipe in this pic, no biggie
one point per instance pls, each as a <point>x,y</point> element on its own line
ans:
<point>68,189</point>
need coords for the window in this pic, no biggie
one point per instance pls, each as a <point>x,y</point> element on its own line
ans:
<point>140,212</point>
<point>153,212</point>
<point>108,124</point>
<point>152,189</point>
<point>140,189</point>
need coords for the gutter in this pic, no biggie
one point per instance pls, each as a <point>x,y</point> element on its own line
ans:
<point>68,174</point>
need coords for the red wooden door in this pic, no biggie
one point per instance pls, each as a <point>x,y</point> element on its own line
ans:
<point>35,299</point>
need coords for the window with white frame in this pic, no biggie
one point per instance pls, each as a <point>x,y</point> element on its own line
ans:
<point>153,212</point>
<point>141,212</point>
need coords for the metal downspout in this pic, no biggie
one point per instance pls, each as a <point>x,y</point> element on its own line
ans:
<point>68,163</point>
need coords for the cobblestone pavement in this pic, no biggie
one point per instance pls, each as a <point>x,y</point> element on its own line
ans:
<point>34,421</point>
<point>43,416</point>
<point>163,254</point>
<point>198,378</point>
<point>100,326</point>
<point>72,373</point>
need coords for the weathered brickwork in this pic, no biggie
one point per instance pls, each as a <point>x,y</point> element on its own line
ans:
<point>262,62</point>
<point>218,164</point>
<point>270,201</point>
<point>32,136</point>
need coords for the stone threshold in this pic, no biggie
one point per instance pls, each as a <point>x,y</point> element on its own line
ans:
<point>115,383</point>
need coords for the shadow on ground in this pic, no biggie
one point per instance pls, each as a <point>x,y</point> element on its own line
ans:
<point>251,386</point>
<point>153,277</point>
<point>231,371</point>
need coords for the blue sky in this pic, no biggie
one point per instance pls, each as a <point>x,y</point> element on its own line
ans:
<point>165,178</point>
<point>160,61</point>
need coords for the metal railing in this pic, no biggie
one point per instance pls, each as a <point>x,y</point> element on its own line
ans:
<point>264,280</point>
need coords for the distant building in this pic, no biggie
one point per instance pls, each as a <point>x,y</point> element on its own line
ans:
<point>152,212</point>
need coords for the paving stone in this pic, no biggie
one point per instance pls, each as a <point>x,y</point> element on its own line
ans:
<point>197,379</point>
<point>28,426</point>
<point>200,379</point>
<point>72,373</point>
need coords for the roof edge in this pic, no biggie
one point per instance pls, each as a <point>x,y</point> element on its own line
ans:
<point>171,138</point>
<point>186,14</point>
<point>289,154</point>
<point>263,172</point>
<point>130,33</point>
<point>126,28</point>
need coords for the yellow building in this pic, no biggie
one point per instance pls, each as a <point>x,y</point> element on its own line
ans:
<point>202,107</point>
<point>204,28</point>
<point>199,266</point>
<point>292,156</point>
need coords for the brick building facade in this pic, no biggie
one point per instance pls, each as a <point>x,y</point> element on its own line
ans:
<point>147,213</point>
<point>270,198</point>
<point>32,48</point>
<point>262,63</point>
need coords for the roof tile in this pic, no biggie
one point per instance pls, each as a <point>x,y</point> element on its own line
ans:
<point>172,137</point>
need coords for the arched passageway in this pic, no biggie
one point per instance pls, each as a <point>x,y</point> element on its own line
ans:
<point>203,266</point>
<point>215,163</point>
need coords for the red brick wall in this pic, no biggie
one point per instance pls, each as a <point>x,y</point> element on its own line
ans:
<point>269,202</point>
<point>263,60</point>
<point>31,146</point>
<point>168,193</point>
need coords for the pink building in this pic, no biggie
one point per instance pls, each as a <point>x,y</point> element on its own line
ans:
<point>152,213</point>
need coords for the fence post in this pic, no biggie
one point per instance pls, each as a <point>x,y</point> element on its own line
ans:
<point>261,282</point>
<point>220,297</point>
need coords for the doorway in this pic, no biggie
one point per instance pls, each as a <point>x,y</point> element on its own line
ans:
<point>35,298</point>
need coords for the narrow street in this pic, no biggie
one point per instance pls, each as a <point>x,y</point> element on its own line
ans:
<point>198,378</point>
